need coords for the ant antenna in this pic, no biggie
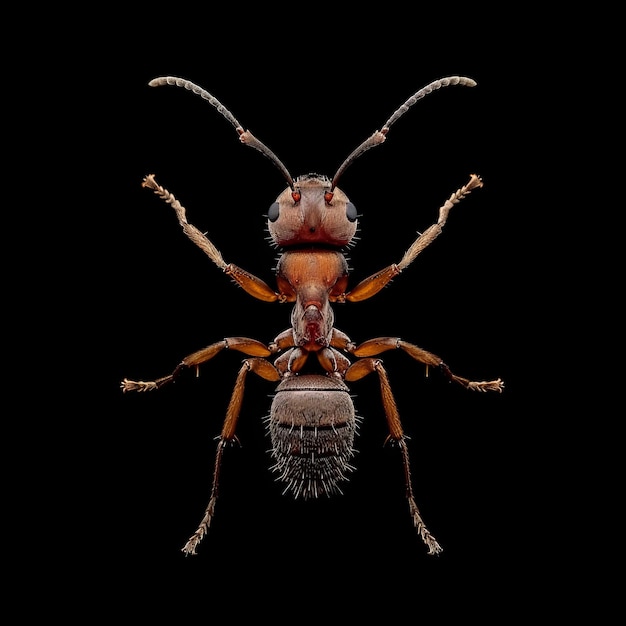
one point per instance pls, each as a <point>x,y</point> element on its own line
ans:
<point>379,136</point>
<point>245,136</point>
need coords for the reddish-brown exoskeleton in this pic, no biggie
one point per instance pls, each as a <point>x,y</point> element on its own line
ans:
<point>312,420</point>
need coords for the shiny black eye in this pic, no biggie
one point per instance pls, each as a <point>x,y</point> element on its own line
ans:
<point>272,214</point>
<point>351,212</point>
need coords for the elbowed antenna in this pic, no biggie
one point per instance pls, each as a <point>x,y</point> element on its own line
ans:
<point>379,136</point>
<point>245,136</point>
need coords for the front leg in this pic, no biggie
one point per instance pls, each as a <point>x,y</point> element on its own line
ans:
<point>372,285</point>
<point>248,282</point>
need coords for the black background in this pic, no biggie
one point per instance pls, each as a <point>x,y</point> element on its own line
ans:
<point>134,470</point>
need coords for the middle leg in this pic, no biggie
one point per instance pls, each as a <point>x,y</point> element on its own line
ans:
<point>376,346</point>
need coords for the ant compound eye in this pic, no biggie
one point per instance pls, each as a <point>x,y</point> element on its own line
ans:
<point>272,214</point>
<point>351,212</point>
<point>296,195</point>
<point>328,196</point>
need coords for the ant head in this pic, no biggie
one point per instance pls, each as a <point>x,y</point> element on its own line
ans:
<point>312,212</point>
<point>312,209</point>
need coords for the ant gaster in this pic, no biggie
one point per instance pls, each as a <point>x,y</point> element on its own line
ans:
<point>312,421</point>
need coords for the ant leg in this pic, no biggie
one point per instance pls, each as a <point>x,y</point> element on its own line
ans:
<point>358,370</point>
<point>203,528</point>
<point>372,285</point>
<point>381,344</point>
<point>265,370</point>
<point>251,347</point>
<point>250,283</point>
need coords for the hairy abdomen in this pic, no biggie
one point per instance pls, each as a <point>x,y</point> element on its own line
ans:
<point>312,425</point>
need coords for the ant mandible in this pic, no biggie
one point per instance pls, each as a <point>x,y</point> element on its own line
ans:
<point>312,421</point>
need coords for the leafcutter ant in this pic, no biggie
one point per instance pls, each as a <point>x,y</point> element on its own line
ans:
<point>312,421</point>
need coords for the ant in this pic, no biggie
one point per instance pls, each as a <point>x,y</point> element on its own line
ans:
<point>312,421</point>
